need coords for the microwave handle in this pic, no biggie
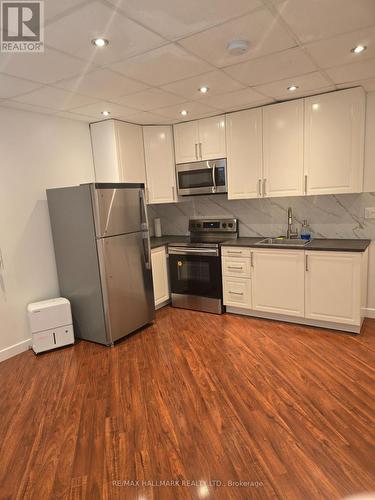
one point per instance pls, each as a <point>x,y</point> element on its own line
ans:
<point>214,177</point>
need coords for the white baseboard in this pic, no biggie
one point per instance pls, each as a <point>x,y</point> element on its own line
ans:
<point>11,351</point>
<point>369,312</point>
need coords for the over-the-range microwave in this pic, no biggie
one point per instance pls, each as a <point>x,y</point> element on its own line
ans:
<point>202,177</point>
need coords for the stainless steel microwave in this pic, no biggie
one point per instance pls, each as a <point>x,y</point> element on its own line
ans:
<point>202,177</point>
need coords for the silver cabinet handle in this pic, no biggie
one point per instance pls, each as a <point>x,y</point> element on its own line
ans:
<point>235,251</point>
<point>260,187</point>
<point>235,267</point>
<point>264,187</point>
<point>236,293</point>
<point>200,150</point>
<point>305,183</point>
<point>251,259</point>
<point>196,151</point>
<point>306,262</point>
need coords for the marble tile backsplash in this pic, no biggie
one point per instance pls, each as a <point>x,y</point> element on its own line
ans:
<point>330,216</point>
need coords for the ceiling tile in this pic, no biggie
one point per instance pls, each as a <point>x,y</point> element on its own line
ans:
<point>305,84</point>
<point>54,8</point>
<point>74,116</point>
<point>46,67</point>
<point>163,65</point>
<point>337,50</point>
<point>116,110</point>
<point>178,18</point>
<point>55,99</point>
<point>316,19</point>
<point>11,86</point>
<point>150,99</point>
<point>234,100</point>
<point>28,107</point>
<point>291,62</point>
<point>368,85</point>
<point>144,118</point>
<point>217,82</point>
<point>103,84</point>
<point>73,34</point>
<point>263,32</point>
<point>195,110</point>
<point>362,70</point>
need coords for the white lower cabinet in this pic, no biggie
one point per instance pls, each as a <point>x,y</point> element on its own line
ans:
<point>160,276</point>
<point>319,288</point>
<point>333,286</point>
<point>278,281</point>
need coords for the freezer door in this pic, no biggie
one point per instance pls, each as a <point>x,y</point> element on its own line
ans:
<point>125,265</point>
<point>118,210</point>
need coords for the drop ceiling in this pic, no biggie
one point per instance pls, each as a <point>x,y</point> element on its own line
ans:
<point>161,51</point>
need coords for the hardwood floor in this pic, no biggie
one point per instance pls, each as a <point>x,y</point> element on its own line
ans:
<point>195,397</point>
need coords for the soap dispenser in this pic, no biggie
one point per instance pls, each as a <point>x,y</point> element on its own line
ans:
<point>305,231</point>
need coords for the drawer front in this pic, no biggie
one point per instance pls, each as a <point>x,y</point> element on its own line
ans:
<point>235,252</point>
<point>237,292</point>
<point>236,266</point>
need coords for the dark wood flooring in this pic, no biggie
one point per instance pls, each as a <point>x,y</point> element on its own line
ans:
<point>200,400</point>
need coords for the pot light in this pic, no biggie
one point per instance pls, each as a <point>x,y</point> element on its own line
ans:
<point>238,47</point>
<point>358,49</point>
<point>184,112</point>
<point>100,42</point>
<point>292,88</point>
<point>203,89</point>
<point>106,113</point>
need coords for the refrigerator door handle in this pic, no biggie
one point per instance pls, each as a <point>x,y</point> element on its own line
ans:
<point>144,229</point>
<point>144,219</point>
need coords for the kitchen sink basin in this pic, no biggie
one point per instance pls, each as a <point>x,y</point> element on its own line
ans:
<point>282,242</point>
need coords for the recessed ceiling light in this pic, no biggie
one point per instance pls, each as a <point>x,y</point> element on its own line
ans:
<point>292,88</point>
<point>100,42</point>
<point>106,113</point>
<point>238,47</point>
<point>203,89</point>
<point>184,112</point>
<point>358,49</point>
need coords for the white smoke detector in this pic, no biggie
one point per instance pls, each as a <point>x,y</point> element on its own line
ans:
<point>238,47</point>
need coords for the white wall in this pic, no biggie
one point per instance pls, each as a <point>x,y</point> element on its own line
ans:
<point>36,152</point>
<point>369,176</point>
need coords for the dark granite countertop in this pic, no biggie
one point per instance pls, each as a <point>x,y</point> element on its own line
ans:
<point>164,240</point>
<point>331,245</point>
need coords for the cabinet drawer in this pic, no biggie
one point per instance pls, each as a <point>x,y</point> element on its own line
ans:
<point>237,292</point>
<point>235,251</point>
<point>236,267</point>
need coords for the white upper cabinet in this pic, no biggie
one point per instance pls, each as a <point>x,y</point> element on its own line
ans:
<point>212,138</point>
<point>283,149</point>
<point>118,152</point>
<point>160,165</point>
<point>186,140</point>
<point>244,147</point>
<point>334,142</point>
<point>200,140</point>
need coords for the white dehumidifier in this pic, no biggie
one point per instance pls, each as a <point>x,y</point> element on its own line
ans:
<point>51,324</point>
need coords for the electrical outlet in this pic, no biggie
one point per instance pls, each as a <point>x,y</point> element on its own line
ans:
<point>370,213</point>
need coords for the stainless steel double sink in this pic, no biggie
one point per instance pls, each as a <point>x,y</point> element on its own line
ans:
<point>267,242</point>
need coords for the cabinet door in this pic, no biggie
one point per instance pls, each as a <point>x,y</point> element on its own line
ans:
<point>186,141</point>
<point>160,165</point>
<point>104,150</point>
<point>131,153</point>
<point>334,142</point>
<point>283,149</point>
<point>278,281</point>
<point>160,275</point>
<point>333,286</point>
<point>244,147</point>
<point>212,138</point>
<point>237,292</point>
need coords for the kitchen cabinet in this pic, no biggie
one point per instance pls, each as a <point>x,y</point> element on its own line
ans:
<point>237,292</point>
<point>333,286</point>
<point>160,278</point>
<point>283,149</point>
<point>160,164</point>
<point>334,142</point>
<point>118,152</point>
<point>244,149</point>
<point>200,140</point>
<point>278,279</point>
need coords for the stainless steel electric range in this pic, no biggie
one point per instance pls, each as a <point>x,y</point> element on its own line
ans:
<point>195,267</point>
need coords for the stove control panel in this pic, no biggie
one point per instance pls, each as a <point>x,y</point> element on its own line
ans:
<point>213,225</point>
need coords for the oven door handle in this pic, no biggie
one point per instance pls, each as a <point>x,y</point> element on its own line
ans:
<point>193,251</point>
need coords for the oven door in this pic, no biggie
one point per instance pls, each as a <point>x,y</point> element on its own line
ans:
<point>204,177</point>
<point>195,273</point>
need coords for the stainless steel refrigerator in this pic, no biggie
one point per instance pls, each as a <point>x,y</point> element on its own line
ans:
<point>103,257</point>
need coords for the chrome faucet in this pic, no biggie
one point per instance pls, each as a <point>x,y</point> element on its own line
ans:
<point>290,234</point>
